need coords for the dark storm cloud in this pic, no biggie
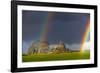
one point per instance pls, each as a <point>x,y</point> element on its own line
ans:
<point>32,22</point>
<point>66,27</point>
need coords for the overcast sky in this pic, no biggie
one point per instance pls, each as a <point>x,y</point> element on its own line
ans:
<point>65,27</point>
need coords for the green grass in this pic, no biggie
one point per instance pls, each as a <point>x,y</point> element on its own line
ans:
<point>54,57</point>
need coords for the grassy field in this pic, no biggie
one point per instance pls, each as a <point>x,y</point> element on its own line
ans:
<point>54,57</point>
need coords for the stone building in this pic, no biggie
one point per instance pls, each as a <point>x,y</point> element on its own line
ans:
<point>32,49</point>
<point>43,47</point>
<point>60,48</point>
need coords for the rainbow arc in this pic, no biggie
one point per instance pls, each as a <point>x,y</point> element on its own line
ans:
<point>85,35</point>
<point>46,27</point>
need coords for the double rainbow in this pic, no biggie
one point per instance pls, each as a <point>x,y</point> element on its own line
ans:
<point>47,24</point>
